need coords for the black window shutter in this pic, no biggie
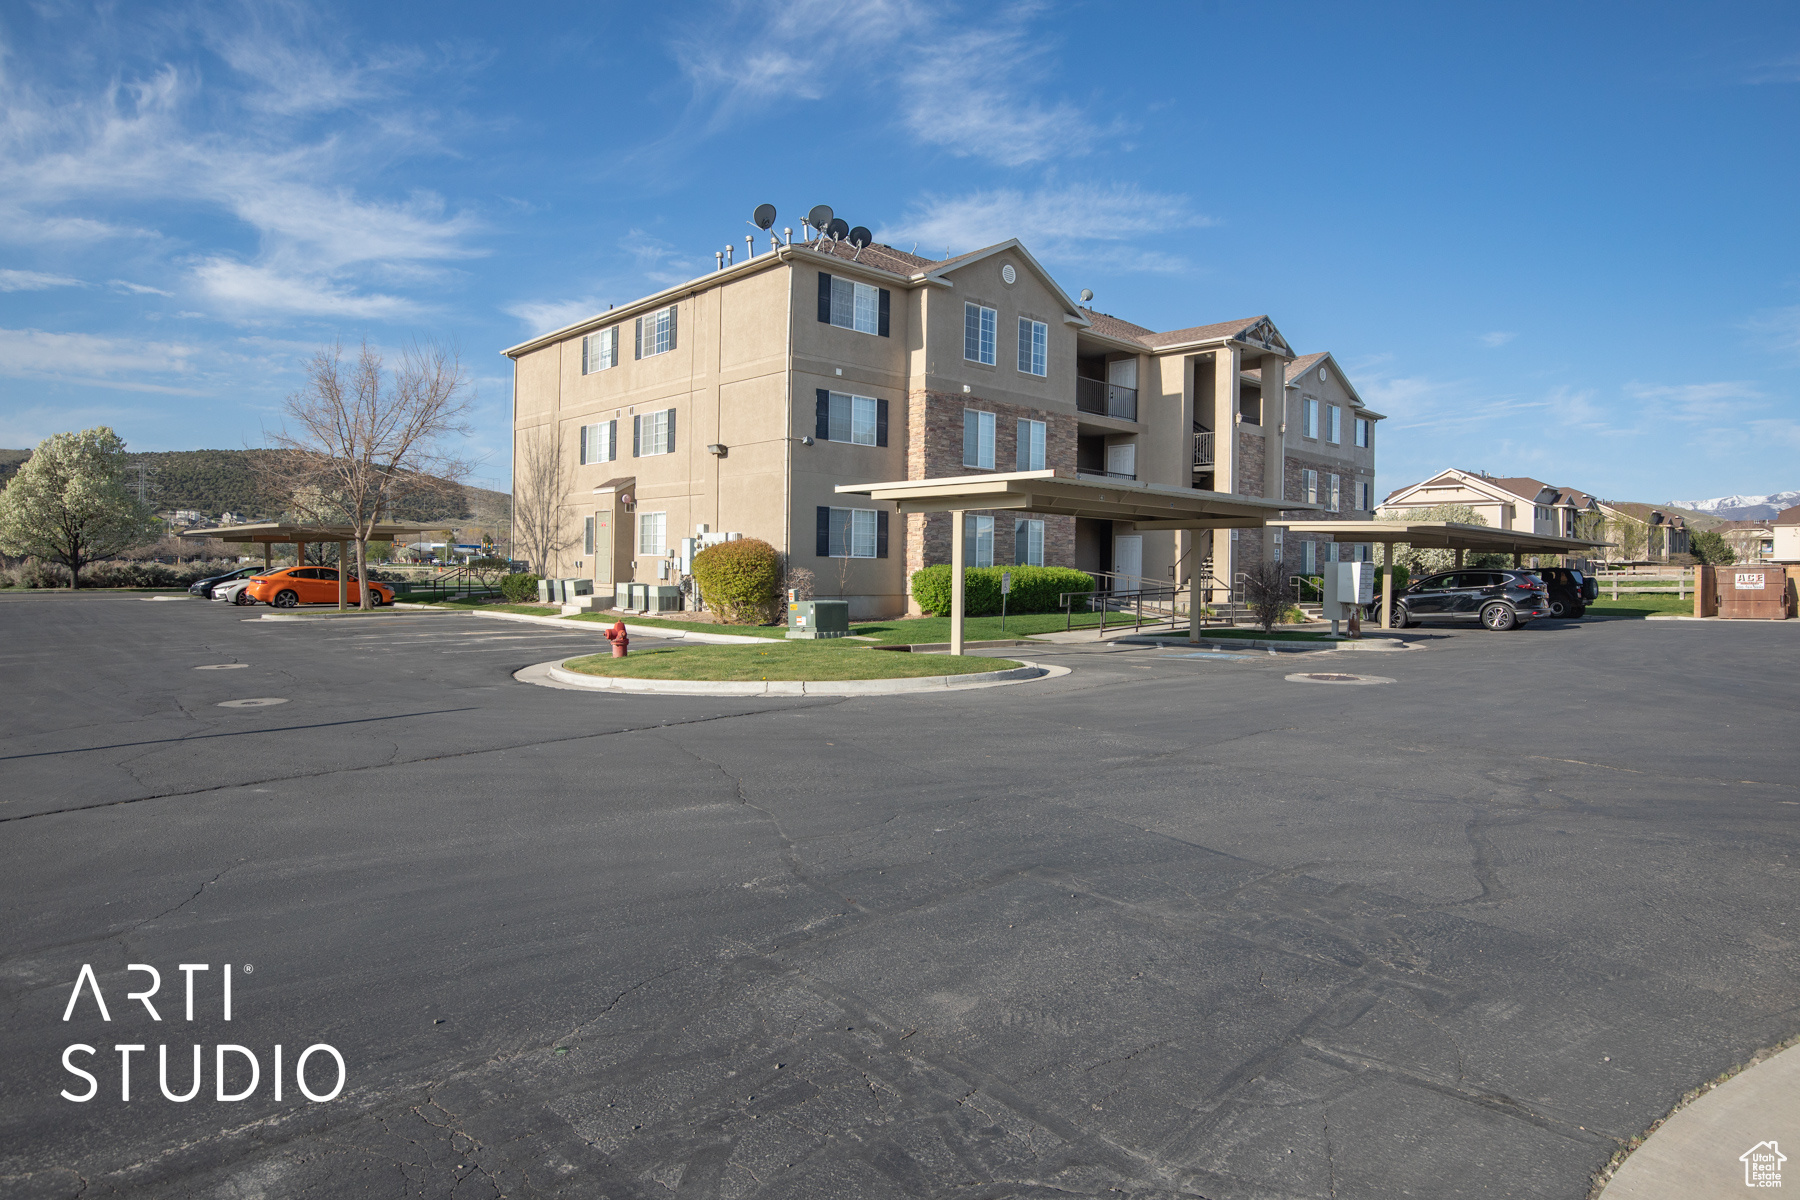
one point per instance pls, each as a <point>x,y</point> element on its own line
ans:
<point>822,416</point>
<point>584,448</point>
<point>884,313</point>
<point>824,298</point>
<point>612,440</point>
<point>673,309</point>
<point>881,519</point>
<point>824,546</point>
<point>669,444</point>
<point>637,436</point>
<point>881,430</point>
<point>638,345</point>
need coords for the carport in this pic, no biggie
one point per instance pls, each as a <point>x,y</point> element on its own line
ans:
<point>268,534</point>
<point>1438,535</point>
<point>1146,506</point>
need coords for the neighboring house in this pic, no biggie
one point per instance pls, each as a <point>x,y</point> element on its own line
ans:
<point>1750,541</point>
<point>738,401</point>
<point>1640,533</point>
<point>1786,535</point>
<point>1516,502</point>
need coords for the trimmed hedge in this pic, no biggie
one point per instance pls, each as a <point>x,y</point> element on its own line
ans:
<point>519,589</point>
<point>1034,589</point>
<point>741,581</point>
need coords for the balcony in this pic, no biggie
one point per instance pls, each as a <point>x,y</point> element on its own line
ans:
<point>1203,451</point>
<point>1098,474</point>
<point>1105,399</point>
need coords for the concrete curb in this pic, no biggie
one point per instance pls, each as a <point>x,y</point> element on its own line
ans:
<point>928,685</point>
<point>636,631</point>
<point>1370,645</point>
<point>1694,1155</point>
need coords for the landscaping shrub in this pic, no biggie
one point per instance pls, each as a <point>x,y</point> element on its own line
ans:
<point>1034,589</point>
<point>519,589</point>
<point>741,581</point>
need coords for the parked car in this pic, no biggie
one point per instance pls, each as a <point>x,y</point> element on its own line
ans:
<point>1499,599</point>
<point>1570,590</point>
<point>234,592</point>
<point>203,588</point>
<point>293,586</point>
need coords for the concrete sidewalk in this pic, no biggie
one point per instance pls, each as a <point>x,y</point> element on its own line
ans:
<point>1701,1152</point>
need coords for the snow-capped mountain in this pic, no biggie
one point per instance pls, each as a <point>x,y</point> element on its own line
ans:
<point>1743,508</point>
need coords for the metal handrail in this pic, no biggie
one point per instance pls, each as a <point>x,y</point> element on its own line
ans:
<point>1203,449</point>
<point>1105,399</point>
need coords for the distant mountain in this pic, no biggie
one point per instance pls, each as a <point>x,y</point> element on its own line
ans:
<point>221,481</point>
<point>1744,508</point>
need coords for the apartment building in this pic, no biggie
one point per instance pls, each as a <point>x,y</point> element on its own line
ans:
<point>1784,542</point>
<point>738,401</point>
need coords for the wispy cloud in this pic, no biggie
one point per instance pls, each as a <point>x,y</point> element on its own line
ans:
<point>34,281</point>
<point>1497,338</point>
<point>137,289</point>
<point>541,316</point>
<point>1726,400</point>
<point>1089,224</point>
<point>240,287</point>
<point>1778,329</point>
<point>86,358</point>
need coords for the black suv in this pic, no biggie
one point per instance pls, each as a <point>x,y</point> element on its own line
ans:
<point>1570,590</point>
<point>1498,599</point>
<point>203,588</point>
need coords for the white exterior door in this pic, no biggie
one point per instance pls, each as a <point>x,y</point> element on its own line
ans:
<point>1122,372</point>
<point>1128,559</point>
<point>1121,459</point>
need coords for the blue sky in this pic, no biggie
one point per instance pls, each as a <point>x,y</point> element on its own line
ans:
<point>1551,240</point>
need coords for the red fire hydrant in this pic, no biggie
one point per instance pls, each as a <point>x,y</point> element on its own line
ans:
<point>620,643</point>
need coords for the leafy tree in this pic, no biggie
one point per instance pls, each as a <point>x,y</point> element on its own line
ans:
<point>1421,562</point>
<point>69,503</point>
<point>1710,547</point>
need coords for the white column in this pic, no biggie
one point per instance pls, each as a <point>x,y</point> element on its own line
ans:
<point>1274,415</point>
<point>1226,368</point>
<point>957,520</point>
<point>1387,585</point>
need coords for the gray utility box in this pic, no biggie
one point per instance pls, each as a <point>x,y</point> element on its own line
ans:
<point>649,597</point>
<point>818,618</point>
<point>563,591</point>
<point>546,591</point>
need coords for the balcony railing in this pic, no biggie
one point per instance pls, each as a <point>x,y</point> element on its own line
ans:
<point>1105,399</point>
<point>1099,474</point>
<point>1203,450</point>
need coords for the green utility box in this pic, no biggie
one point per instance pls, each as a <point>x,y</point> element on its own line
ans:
<point>818,618</point>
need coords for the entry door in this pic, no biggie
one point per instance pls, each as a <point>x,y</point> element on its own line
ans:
<point>1128,560</point>
<point>1121,459</point>
<point>603,550</point>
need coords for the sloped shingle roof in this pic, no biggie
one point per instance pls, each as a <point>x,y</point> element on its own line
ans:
<point>875,254</point>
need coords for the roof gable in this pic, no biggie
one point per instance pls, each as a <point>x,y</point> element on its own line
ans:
<point>937,271</point>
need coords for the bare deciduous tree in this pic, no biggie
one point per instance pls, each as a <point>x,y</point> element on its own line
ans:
<point>361,438</point>
<point>540,481</point>
<point>1266,591</point>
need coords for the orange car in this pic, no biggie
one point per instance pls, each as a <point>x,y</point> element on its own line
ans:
<point>311,585</point>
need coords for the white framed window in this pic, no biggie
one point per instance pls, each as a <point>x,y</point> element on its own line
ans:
<point>978,534</point>
<point>1032,436</point>
<point>1309,487</point>
<point>1334,432</point>
<point>1034,347</point>
<point>1309,416</point>
<point>653,530</point>
<point>852,418</point>
<point>1332,495</point>
<point>1364,427</point>
<point>1279,544</point>
<point>1028,543</point>
<point>656,332</point>
<point>978,439</point>
<point>1364,496</point>
<point>599,442</point>
<point>980,328</point>
<point>855,305</point>
<point>1309,558</point>
<point>653,433</point>
<point>600,351</point>
<point>1365,552</point>
<point>852,533</point>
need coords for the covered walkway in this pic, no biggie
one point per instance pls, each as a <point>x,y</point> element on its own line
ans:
<point>1437,535</point>
<point>1145,506</point>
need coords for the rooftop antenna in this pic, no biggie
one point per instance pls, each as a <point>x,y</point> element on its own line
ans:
<point>860,237</point>
<point>818,218</point>
<point>1087,294</point>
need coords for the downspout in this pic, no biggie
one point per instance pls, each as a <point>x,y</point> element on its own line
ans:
<point>787,474</point>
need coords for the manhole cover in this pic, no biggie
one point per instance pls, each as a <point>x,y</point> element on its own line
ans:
<point>1336,677</point>
<point>258,702</point>
<point>222,667</point>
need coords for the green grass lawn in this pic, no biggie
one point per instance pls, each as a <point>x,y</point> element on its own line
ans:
<point>904,632</point>
<point>1254,634</point>
<point>808,660</point>
<point>1641,605</point>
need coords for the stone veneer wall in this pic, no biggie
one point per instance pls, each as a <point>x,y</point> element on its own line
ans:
<point>934,448</point>
<point>1348,475</point>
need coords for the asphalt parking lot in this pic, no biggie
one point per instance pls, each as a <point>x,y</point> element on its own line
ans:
<point>1166,926</point>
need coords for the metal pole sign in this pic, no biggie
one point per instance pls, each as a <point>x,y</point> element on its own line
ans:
<point>1005,588</point>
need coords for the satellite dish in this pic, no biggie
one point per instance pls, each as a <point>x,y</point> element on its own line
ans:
<point>860,236</point>
<point>819,217</point>
<point>1086,295</point>
<point>838,229</point>
<point>764,217</point>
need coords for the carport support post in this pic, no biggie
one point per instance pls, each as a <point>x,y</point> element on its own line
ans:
<point>268,556</point>
<point>956,581</point>
<point>1516,558</point>
<point>1194,573</point>
<point>342,584</point>
<point>1387,585</point>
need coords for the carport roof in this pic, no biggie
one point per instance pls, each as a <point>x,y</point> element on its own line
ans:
<point>1445,535</point>
<point>1148,506</point>
<point>278,532</point>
